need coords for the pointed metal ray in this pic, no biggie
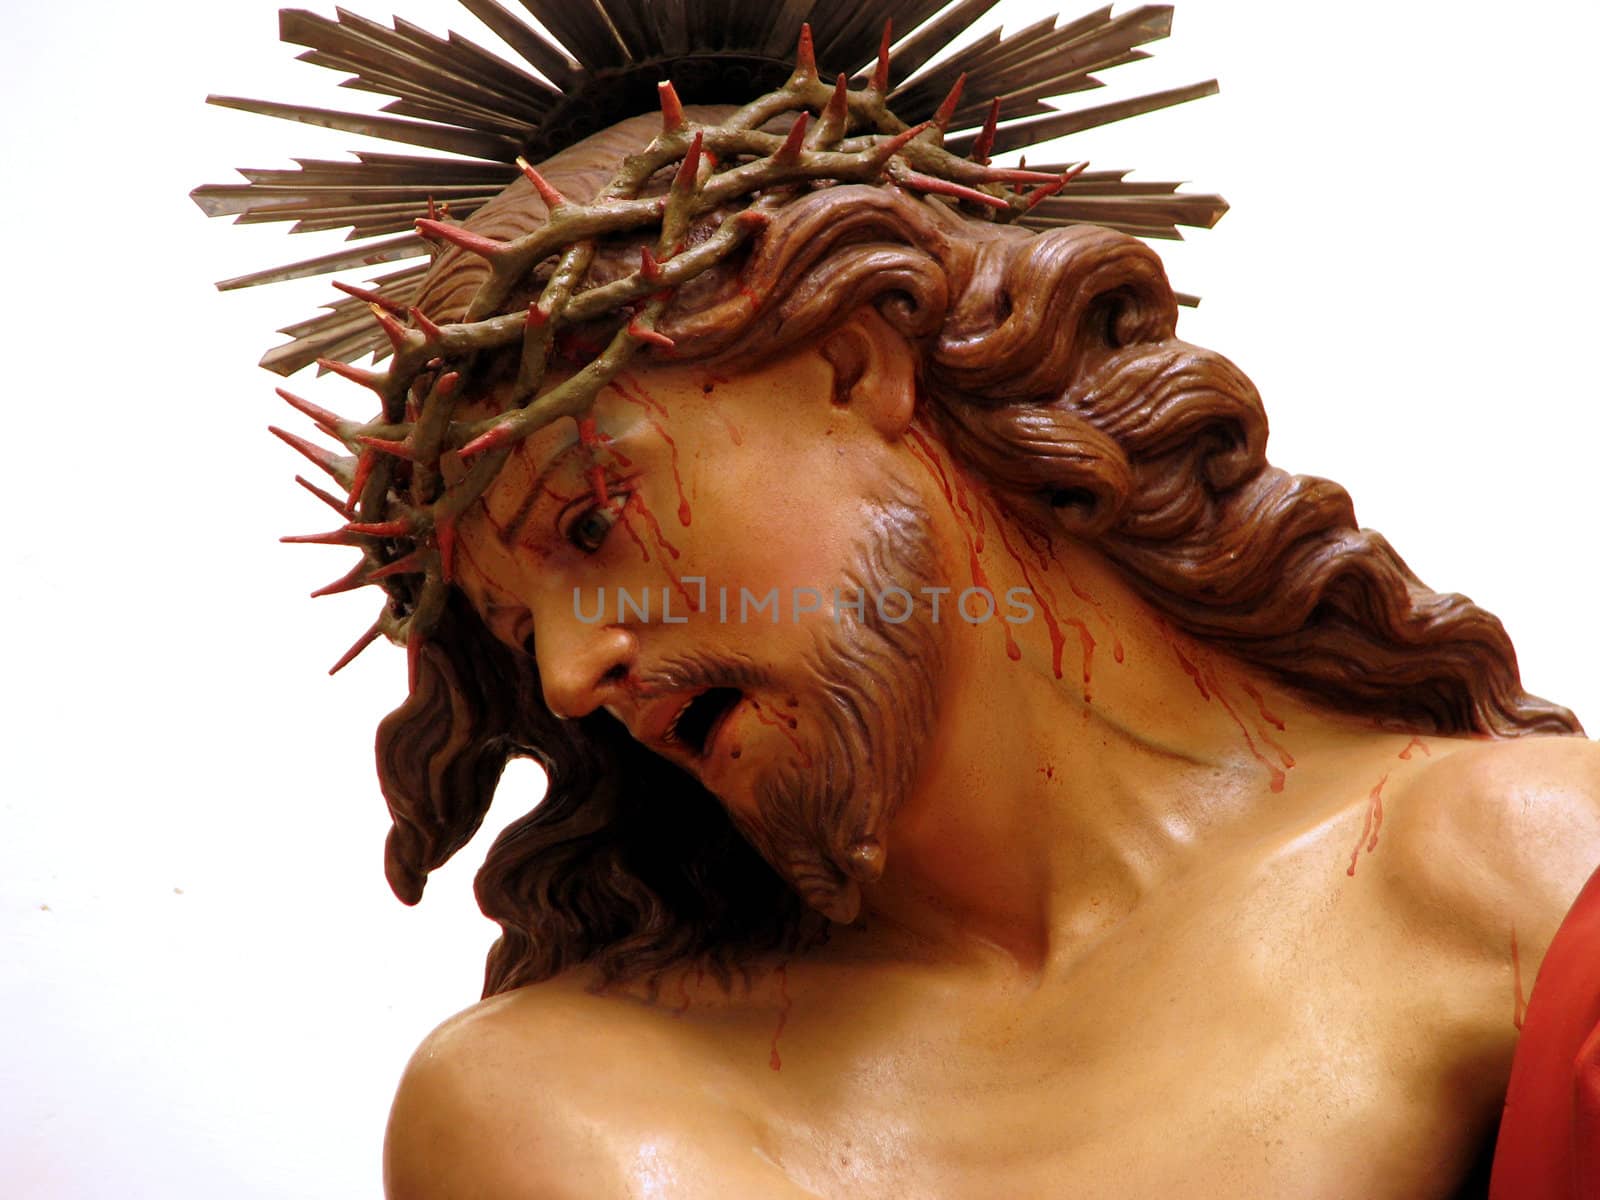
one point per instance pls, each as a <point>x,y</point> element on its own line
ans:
<point>395,250</point>
<point>541,55</point>
<point>1027,133</point>
<point>413,133</point>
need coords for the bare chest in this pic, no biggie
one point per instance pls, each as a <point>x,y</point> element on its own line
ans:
<point>1240,1056</point>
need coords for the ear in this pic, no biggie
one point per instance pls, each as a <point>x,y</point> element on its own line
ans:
<point>874,371</point>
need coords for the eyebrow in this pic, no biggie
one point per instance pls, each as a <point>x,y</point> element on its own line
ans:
<point>513,528</point>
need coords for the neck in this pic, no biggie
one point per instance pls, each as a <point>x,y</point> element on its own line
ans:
<point>1080,761</point>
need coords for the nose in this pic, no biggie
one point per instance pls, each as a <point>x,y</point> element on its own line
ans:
<point>582,667</point>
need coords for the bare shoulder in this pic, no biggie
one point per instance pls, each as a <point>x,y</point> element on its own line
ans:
<point>551,1092</point>
<point>1498,836</point>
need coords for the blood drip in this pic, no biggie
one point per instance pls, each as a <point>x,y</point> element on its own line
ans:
<point>785,727</point>
<point>785,1004</point>
<point>1519,1004</point>
<point>974,543</point>
<point>1374,822</point>
<point>628,507</point>
<point>637,505</point>
<point>1416,743</point>
<point>1261,707</point>
<point>1047,602</point>
<point>1275,776</point>
<point>635,394</point>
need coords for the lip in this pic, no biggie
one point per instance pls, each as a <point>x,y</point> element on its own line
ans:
<point>658,719</point>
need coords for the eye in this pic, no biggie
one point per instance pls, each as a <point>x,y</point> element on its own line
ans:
<point>588,530</point>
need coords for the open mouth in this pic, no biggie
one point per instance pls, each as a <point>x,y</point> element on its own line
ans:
<point>696,725</point>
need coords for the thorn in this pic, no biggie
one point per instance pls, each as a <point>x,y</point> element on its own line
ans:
<point>327,498</point>
<point>838,109</point>
<point>754,218</point>
<point>337,537</point>
<point>328,422</point>
<point>691,164</point>
<point>384,446</point>
<point>538,315</point>
<point>381,529</point>
<point>795,142</point>
<point>358,483</point>
<point>553,199</point>
<point>1045,190</point>
<point>423,322</point>
<point>356,578</point>
<point>597,484</point>
<point>984,146</point>
<point>378,381</point>
<point>945,187</point>
<point>336,465</point>
<point>649,267</point>
<point>880,73</point>
<point>410,564</point>
<point>888,149</point>
<point>444,537</point>
<point>445,386</point>
<point>433,210</point>
<point>396,331</point>
<point>371,297</point>
<point>493,439</point>
<point>671,107</point>
<point>948,108</point>
<point>1016,175</point>
<point>588,434</point>
<point>473,243</point>
<point>805,55</point>
<point>362,642</point>
<point>656,338</point>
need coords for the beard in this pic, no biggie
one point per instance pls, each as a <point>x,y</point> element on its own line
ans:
<point>821,816</point>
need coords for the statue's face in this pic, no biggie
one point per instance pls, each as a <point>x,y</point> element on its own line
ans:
<point>676,565</point>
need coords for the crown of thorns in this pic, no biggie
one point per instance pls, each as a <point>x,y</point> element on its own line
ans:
<point>412,473</point>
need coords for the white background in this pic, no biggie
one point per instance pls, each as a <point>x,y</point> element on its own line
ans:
<point>206,989</point>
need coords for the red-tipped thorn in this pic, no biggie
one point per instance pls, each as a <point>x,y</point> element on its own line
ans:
<point>649,266</point>
<point>386,529</point>
<point>376,380</point>
<point>395,331</point>
<point>538,315</point>
<point>805,54</point>
<point>362,642</point>
<point>371,297</point>
<point>336,537</point>
<point>410,564</point>
<point>444,537</point>
<point>880,73</point>
<point>336,465</point>
<point>588,432</point>
<point>754,218</point>
<point>656,338</point>
<point>838,104</point>
<point>947,110</point>
<point>445,386</point>
<point>795,142</point>
<point>552,197</point>
<point>501,435</point>
<point>328,422</point>
<point>945,187</point>
<point>422,321</point>
<point>327,498</point>
<point>473,243</point>
<point>888,149</point>
<point>690,167</point>
<point>1045,190</point>
<point>358,484</point>
<point>984,146</point>
<point>385,446</point>
<point>356,578</point>
<point>671,107</point>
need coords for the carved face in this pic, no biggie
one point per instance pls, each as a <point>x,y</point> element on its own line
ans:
<point>675,560</point>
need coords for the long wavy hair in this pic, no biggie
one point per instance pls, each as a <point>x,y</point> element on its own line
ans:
<point>1049,366</point>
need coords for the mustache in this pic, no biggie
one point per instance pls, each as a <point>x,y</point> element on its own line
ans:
<point>697,669</point>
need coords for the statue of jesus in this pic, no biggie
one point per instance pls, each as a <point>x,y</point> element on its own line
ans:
<point>973,769</point>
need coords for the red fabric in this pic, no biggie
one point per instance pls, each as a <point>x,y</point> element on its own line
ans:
<point>1549,1147</point>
